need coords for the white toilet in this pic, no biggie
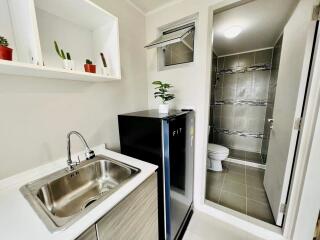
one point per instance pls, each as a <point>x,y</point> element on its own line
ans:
<point>216,154</point>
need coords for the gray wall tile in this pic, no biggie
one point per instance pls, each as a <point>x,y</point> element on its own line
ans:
<point>263,57</point>
<point>246,59</point>
<point>231,62</point>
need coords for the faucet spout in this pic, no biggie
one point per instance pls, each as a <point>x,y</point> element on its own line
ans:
<point>89,153</point>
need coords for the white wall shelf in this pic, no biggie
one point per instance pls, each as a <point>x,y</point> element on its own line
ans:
<point>79,26</point>
<point>30,70</point>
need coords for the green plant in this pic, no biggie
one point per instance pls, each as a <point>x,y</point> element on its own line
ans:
<point>61,52</point>
<point>3,42</point>
<point>162,91</point>
<point>103,60</point>
<point>88,61</point>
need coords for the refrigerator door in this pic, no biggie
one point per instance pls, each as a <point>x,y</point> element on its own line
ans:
<point>178,158</point>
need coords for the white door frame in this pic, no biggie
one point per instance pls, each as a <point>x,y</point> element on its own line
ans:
<point>306,137</point>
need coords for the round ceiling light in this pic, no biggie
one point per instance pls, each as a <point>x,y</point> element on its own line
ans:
<point>232,32</point>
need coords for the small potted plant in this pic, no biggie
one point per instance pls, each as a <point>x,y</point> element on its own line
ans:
<point>89,67</point>
<point>5,51</point>
<point>68,63</point>
<point>105,68</point>
<point>162,91</point>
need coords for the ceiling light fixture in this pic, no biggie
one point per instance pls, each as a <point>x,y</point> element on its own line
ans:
<point>232,32</point>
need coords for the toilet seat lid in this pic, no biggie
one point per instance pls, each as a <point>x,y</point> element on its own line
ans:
<point>215,148</point>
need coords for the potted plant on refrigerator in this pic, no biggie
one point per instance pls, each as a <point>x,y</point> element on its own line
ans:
<point>5,51</point>
<point>68,63</point>
<point>162,91</point>
<point>89,67</point>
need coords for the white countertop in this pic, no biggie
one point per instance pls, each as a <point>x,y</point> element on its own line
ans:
<point>18,220</point>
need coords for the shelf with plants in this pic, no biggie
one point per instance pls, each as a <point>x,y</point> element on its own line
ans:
<point>61,40</point>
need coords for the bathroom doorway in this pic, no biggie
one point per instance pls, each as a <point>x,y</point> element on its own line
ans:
<point>260,61</point>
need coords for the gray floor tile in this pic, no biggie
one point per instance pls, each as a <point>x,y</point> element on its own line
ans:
<point>233,167</point>
<point>215,179</point>
<point>234,187</point>
<point>233,201</point>
<point>240,188</point>
<point>255,181</point>
<point>260,211</point>
<point>236,177</point>
<point>252,171</point>
<point>213,193</point>
<point>257,194</point>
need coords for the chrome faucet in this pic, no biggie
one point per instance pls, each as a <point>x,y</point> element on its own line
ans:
<point>89,153</point>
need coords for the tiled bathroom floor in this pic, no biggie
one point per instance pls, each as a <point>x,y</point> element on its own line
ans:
<point>240,188</point>
<point>246,156</point>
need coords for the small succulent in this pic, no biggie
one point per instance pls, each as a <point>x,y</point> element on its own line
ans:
<point>162,91</point>
<point>3,42</point>
<point>88,61</point>
<point>61,52</point>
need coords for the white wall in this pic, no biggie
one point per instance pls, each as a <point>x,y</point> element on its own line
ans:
<point>192,81</point>
<point>36,114</point>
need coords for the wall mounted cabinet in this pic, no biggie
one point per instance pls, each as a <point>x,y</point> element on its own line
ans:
<point>79,26</point>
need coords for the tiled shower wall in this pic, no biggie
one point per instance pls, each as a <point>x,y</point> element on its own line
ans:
<point>271,97</point>
<point>241,86</point>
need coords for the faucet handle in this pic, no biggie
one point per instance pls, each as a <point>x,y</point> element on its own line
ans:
<point>90,154</point>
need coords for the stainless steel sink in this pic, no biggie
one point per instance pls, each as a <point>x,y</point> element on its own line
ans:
<point>64,196</point>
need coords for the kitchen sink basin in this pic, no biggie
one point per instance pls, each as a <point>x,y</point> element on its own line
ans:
<point>64,196</point>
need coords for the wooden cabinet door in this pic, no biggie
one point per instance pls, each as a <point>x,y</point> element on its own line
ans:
<point>135,217</point>
<point>89,234</point>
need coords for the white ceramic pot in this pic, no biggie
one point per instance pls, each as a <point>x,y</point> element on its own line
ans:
<point>68,64</point>
<point>164,108</point>
<point>106,71</point>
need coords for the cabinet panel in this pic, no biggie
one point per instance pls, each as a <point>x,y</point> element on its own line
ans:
<point>135,217</point>
<point>90,234</point>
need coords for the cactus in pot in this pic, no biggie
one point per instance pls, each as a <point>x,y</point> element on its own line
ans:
<point>68,63</point>
<point>89,67</point>
<point>5,51</point>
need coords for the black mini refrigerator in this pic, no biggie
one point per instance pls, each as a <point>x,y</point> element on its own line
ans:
<point>166,140</point>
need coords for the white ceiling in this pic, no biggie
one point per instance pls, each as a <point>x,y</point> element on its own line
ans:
<point>262,22</point>
<point>149,5</point>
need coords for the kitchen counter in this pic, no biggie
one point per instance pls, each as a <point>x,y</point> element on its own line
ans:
<point>18,220</point>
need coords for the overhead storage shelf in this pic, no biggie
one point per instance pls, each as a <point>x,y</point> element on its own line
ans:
<point>79,26</point>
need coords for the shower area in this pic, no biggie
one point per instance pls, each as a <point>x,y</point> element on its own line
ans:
<point>242,97</point>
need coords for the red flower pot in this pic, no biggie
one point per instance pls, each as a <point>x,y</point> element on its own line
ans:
<point>90,68</point>
<point>6,53</point>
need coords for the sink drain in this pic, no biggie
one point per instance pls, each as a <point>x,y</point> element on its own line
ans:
<point>89,202</point>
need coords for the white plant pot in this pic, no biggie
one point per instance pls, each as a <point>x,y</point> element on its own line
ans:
<point>164,108</point>
<point>106,71</point>
<point>68,64</point>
